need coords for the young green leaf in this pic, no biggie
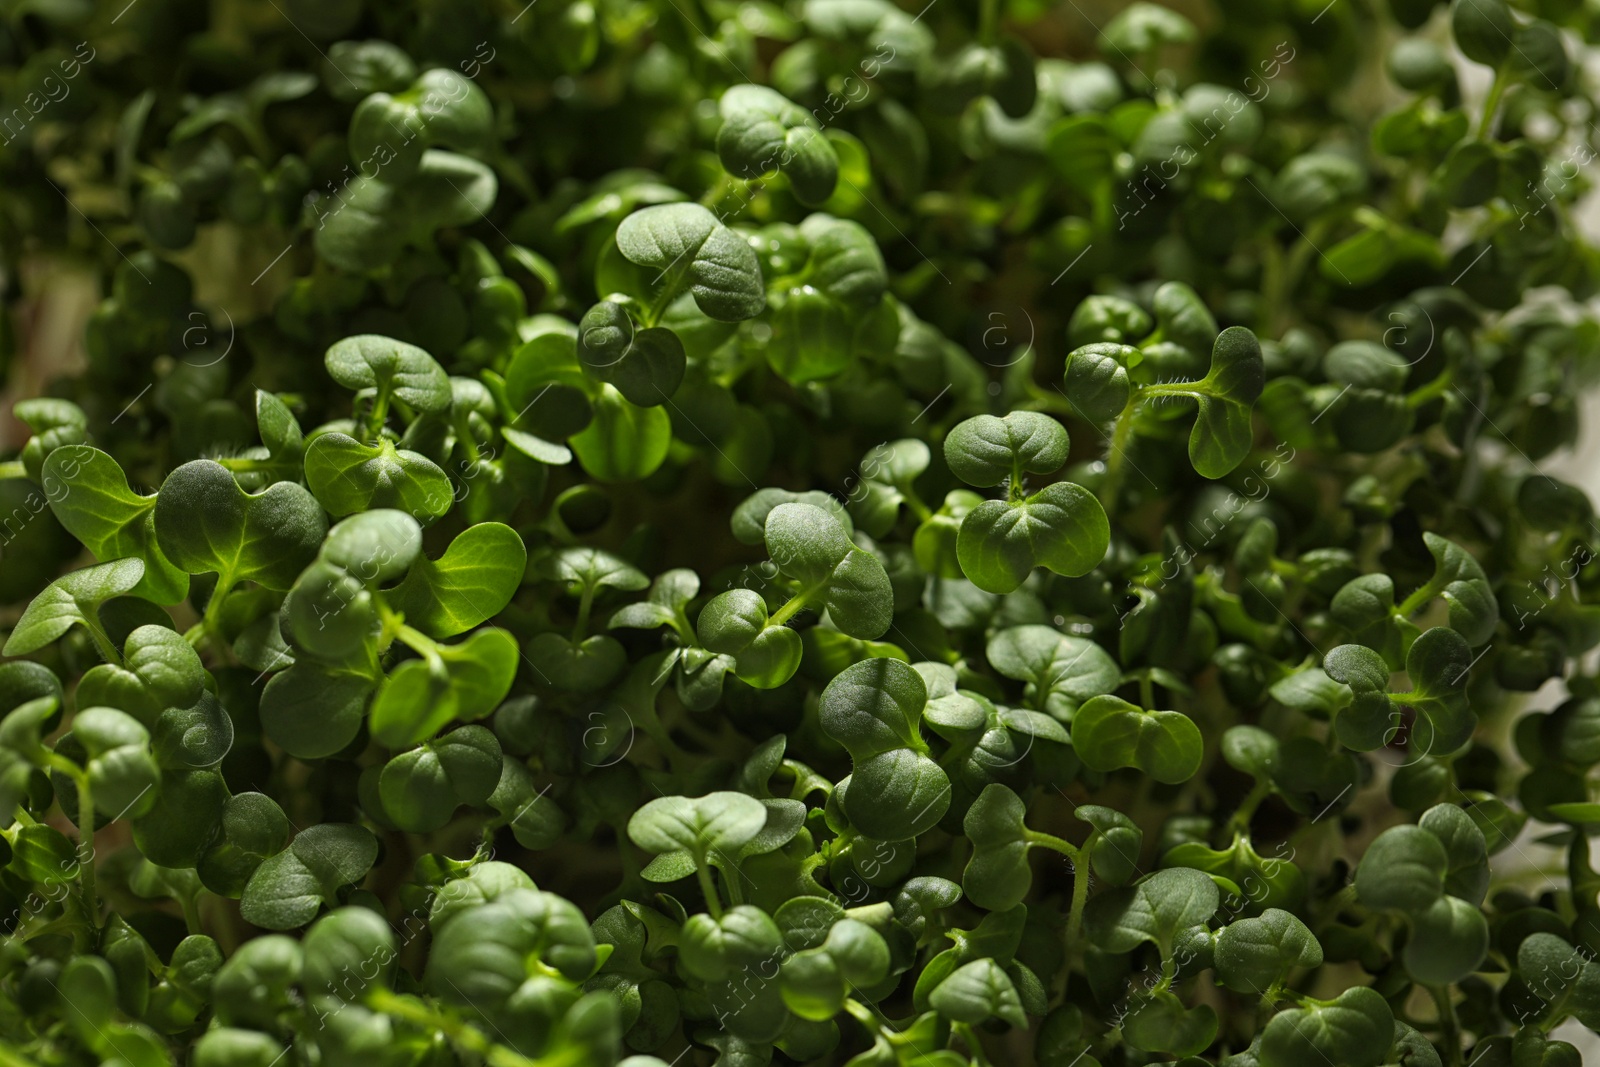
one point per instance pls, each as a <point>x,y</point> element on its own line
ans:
<point>423,787</point>
<point>689,249</point>
<point>74,599</point>
<point>475,578</point>
<point>1109,732</point>
<point>1061,671</point>
<point>715,823</point>
<point>1255,955</point>
<point>1354,1028</point>
<point>348,476</point>
<point>208,525</point>
<point>90,496</point>
<point>622,442</point>
<point>977,992</point>
<point>645,364</point>
<point>288,889</point>
<point>1158,908</point>
<point>874,709</point>
<point>1222,433</point>
<point>391,368</point>
<point>1062,528</point>
<point>985,451</point>
<point>811,548</point>
<point>764,132</point>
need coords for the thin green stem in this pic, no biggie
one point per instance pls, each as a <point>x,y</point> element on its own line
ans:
<point>1112,483</point>
<point>422,644</point>
<point>85,820</point>
<point>261,466</point>
<point>1247,807</point>
<point>1419,597</point>
<point>1491,102</point>
<point>863,1015</point>
<point>650,722</point>
<point>735,890</point>
<point>1080,898</point>
<point>468,443</point>
<point>191,913</point>
<point>1173,388</point>
<point>795,605</point>
<point>1432,390</point>
<point>1079,858</point>
<point>1270,319</point>
<point>211,621</point>
<point>685,630</point>
<point>1045,400</point>
<point>102,640</point>
<point>914,502</point>
<point>378,415</point>
<point>988,20</point>
<point>708,887</point>
<point>1282,275</point>
<point>585,606</point>
<point>1449,1028</point>
<point>974,1045</point>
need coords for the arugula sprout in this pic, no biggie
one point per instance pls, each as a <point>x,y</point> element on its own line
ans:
<point>734,534</point>
<point>1061,527</point>
<point>762,132</point>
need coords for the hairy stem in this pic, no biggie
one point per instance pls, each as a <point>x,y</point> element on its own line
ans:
<point>1112,484</point>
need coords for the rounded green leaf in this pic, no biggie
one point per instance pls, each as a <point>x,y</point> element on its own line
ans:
<point>1108,733</point>
<point>1355,1029</point>
<point>1449,939</point>
<point>1404,869</point>
<point>762,131</point>
<point>997,877</point>
<point>1484,30</point>
<point>1160,907</point>
<point>375,546</point>
<point>72,599</point>
<point>717,822</point>
<point>347,951</point>
<point>90,496</point>
<point>985,450</point>
<point>977,992</point>
<point>874,708</point>
<point>207,524</point>
<point>690,249</point>
<point>810,546</point>
<point>1062,528</point>
<point>1160,1022</point>
<point>411,375</point>
<point>1061,671</point>
<point>1222,432</point>
<point>348,476</point>
<point>1096,381</point>
<point>470,584</point>
<point>1255,954</point>
<point>422,788</point>
<point>645,364</point>
<point>310,713</point>
<point>622,443</point>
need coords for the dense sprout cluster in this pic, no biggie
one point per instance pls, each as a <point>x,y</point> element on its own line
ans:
<point>739,533</point>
